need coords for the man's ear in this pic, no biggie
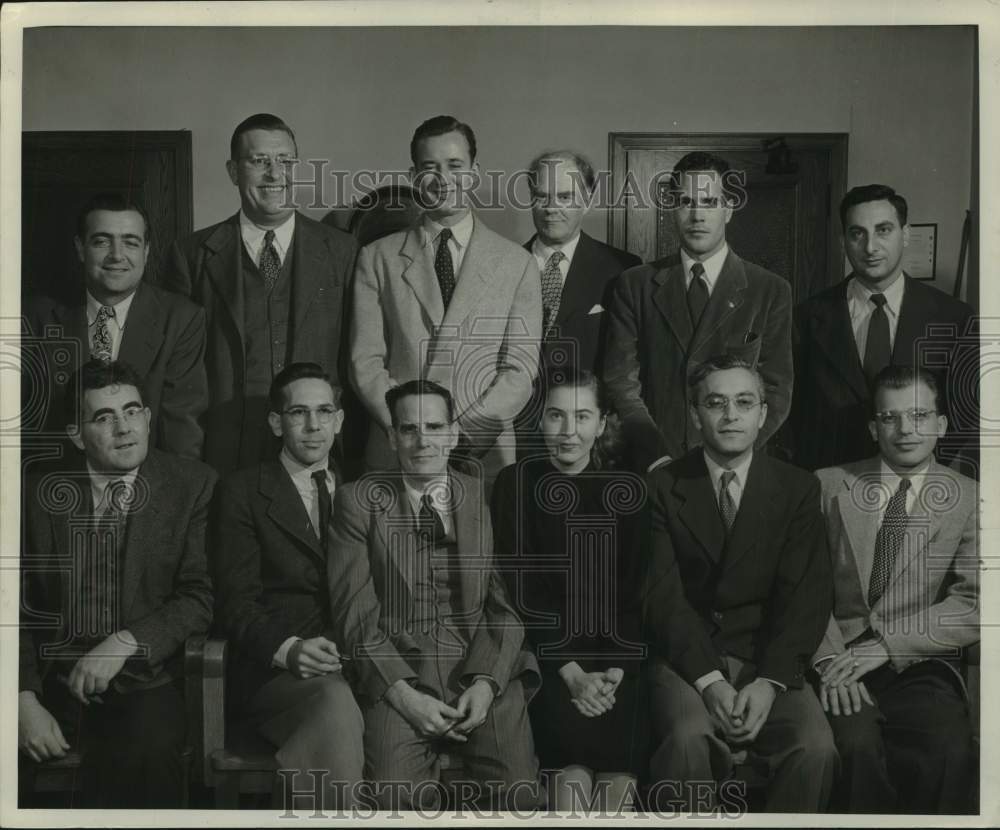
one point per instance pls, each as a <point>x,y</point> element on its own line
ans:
<point>73,431</point>
<point>906,235</point>
<point>693,412</point>
<point>231,169</point>
<point>873,431</point>
<point>78,244</point>
<point>274,421</point>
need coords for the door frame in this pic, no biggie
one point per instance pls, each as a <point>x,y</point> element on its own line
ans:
<point>836,144</point>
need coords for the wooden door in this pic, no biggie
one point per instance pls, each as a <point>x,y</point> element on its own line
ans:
<point>61,171</point>
<point>789,223</point>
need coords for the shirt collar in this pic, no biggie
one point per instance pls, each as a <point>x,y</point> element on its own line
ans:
<point>439,489</point>
<point>715,471</point>
<point>99,483</point>
<point>121,309</point>
<point>891,479</point>
<point>543,251</point>
<point>253,235</point>
<point>300,472</point>
<point>861,293</point>
<point>713,265</point>
<point>461,232</point>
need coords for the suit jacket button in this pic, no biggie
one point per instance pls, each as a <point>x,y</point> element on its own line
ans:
<point>717,615</point>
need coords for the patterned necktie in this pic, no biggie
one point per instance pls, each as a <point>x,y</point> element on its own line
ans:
<point>444,267</point>
<point>100,346</point>
<point>888,542</point>
<point>878,351</point>
<point>552,285</point>
<point>727,505</point>
<point>270,262</point>
<point>697,295</point>
<point>429,521</point>
<point>325,505</point>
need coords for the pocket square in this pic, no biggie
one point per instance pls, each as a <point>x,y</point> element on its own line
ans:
<point>597,309</point>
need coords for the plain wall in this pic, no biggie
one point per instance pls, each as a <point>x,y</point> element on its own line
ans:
<point>353,95</point>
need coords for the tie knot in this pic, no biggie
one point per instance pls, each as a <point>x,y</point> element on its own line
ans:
<point>904,485</point>
<point>119,496</point>
<point>697,270</point>
<point>555,259</point>
<point>319,476</point>
<point>445,235</point>
<point>878,299</point>
<point>268,237</point>
<point>728,476</point>
<point>105,311</point>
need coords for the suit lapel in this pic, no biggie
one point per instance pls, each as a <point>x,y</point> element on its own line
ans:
<point>858,505</point>
<point>726,297</point>
<point>418,271</point>
<point>699,510</point>
<point>223,262</point>
<point>466,509</point>
<point>143,526</point>
<point>670,297</point>
<point>73,321</point>
<point>760,494</point>
<point>312,261</point>
<point>835,335</point>
<point>286,509</point>
<point>143,333</point>
<point>911,326</point>
<point>396,526</point>
<point>580,285</point>
<point>479,264</point>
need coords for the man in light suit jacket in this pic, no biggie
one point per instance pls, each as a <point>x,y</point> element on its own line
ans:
<point>875,317</point>
<point>272,283</point>
<point>577,275</point>
<point>450,301</point>
<point>739,594</point>
<point>113,581</point>
<point>269,562</point>
<point>436,650</point>
<point>902,532</point>
<point>119,316</point>
<point>669,315</point>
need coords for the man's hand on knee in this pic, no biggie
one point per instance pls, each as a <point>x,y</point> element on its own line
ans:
<point>313,657</point>
<point>474,706</point>
<point>720,700</point>
<point>845,699</point>
<point>753,705</point>
<point>431,717</point>
<point>38,733</point>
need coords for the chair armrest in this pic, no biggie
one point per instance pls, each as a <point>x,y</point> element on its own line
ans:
<point>205,680</point>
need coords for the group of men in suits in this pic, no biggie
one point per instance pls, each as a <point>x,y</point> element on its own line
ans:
<point>436,343</point>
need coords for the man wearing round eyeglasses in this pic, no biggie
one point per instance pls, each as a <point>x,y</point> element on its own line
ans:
<point>738,598</point>
<point>114,581</point>
<point>272,283</point>
<point>903,531</point>
<point>271,548</point>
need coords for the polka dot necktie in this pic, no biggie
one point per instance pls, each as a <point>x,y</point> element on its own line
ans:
<point>270,262</point>
<point>727,505</point>
<point>888,542</point>
<point>444,267</point>
<point>552,285</point>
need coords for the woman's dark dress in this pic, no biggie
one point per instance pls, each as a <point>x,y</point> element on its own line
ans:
<point>570,549</point>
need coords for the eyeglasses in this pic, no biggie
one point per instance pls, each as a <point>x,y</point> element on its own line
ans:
<point>106,421</point>
<point>299,414</point>
<point>915,416</point>
<point>719,403</point>
<point>261,163</point>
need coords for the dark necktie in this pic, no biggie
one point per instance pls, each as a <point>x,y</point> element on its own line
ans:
<point>325,504</point>
<point>270,262</point>
<point>444,267</point>
<point>697,295</point>
<point>888,542</point>
<point>101,600</point>
<point>552,286</point>
<point>727,505</point>
<point>429,521</point>
<point>878,351</point>
<point>100,346</point>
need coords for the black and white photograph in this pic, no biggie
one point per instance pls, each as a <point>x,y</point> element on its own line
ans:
<point>499,411</point>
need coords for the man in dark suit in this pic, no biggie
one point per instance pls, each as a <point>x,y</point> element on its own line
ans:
<point>113,581</point>
<point>437,651</point>
<point>875,317</point>
<point>902,533</point>
<point>669,315</point>
<point>739,596</point>
<point>119,316</point>
<point>269,565</point>
<point>272,283</point>
<point>577,273</point>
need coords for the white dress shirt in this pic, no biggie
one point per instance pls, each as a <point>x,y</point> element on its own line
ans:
<point>861,307</point>
<point>712,265</point>
<point>543,253</point>
<point>99,486</point>
<point>458,244</point>
<point>116,324</point>
<point>301,476</point>
<point>253,237</point>
<point>439,490</point>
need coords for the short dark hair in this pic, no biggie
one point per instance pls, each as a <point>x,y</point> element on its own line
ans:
<point>608,450</point>
<point>578,160</point>
<point>902,377</point>
<point>721,363</point>
<point>418,387</point>
<point>697,161</point>
<point>96,374</point>
<point>872,193</point>
<point>442,125</point>
<point>298,371</point>
<point>116,202</point>
<point>260,121</point>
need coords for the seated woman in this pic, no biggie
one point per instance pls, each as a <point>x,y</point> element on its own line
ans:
<point>567,531</point>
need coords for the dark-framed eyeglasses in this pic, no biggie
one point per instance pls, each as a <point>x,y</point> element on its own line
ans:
<point>917,417</point>
<point>718,404</point>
